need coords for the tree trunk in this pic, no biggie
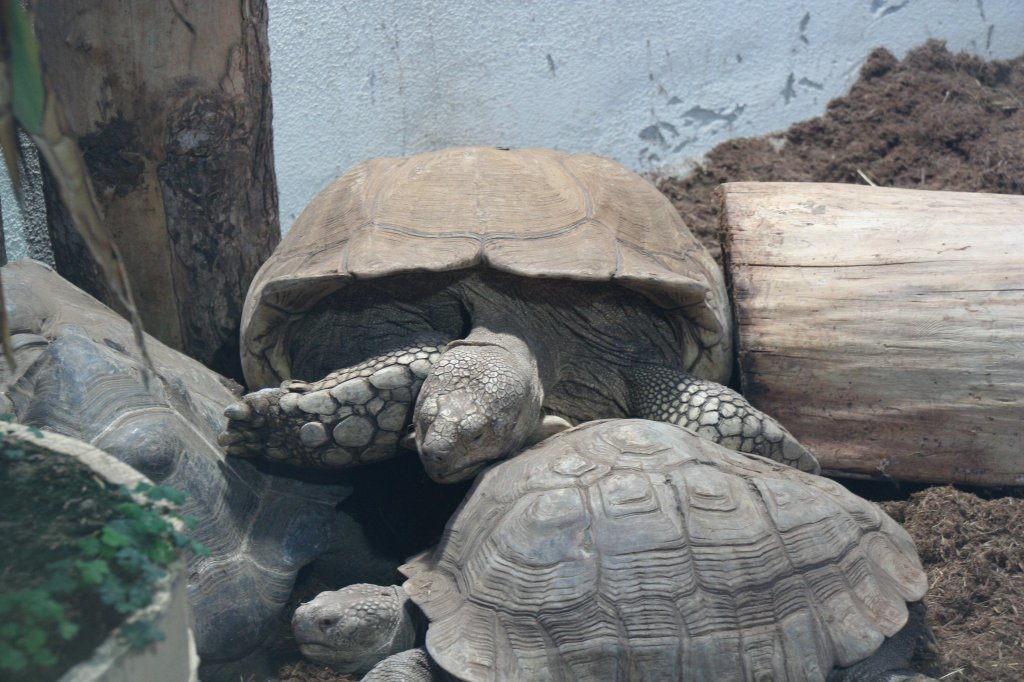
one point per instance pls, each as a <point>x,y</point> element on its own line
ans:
<point>884,327</point>
<point>170,101</point>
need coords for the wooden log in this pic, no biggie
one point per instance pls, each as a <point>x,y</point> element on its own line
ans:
<point>171,104</point>
<point>884,327</point>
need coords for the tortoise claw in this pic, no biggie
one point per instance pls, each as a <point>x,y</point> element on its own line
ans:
<point>239,411</point>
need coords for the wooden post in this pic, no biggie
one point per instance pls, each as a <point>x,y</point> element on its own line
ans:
<point>171,105</point>
<point>884,327</point>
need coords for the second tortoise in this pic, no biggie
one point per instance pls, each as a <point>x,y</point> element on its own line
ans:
<point>635,550</point>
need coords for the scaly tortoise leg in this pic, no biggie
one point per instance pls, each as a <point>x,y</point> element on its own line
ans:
<point>715,412</point>
<point>352,416</point>
<point>414,665</point>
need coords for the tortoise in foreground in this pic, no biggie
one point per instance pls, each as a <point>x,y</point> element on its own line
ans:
<point>635,550</point>
<point>79,374</point>
<point>513,291</point>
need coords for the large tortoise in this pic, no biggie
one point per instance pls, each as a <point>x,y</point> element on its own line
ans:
<point>79,374</point>
<point>502,286</point>
<point>635,550</point>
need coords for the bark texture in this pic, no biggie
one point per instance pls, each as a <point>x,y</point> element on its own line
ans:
<point>171,103</point>
<point>884,327</point>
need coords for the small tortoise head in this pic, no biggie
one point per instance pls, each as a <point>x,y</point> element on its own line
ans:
<point>479,403</point>
<point>354,628</point>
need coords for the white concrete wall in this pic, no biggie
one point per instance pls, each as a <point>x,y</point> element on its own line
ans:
<point>650,83</point>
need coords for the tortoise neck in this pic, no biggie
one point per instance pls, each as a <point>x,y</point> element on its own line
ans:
<point>504,316</point>
<point>514,337</point>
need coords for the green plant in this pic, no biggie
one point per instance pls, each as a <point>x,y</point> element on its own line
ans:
<point>120,562</point>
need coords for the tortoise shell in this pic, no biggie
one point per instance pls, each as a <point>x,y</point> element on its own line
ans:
<point>530,212</point>
<point>634,550</point>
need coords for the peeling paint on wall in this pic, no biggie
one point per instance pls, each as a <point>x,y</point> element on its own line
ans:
<point>881,8</point>
<point>803,28</point>
<point>788,92</point>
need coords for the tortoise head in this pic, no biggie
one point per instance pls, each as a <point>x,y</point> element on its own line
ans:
<point>353,628</point>
<point>479,403</point>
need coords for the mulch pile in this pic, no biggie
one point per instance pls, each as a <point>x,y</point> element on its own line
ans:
<point>973,551</point>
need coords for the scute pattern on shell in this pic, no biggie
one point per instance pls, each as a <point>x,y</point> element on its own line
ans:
<point>529,212</point>
<point>635,550</point>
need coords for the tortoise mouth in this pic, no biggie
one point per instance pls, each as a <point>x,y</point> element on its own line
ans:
<point>442,474</point>
<point>325,654</point>
<point>312,648</point>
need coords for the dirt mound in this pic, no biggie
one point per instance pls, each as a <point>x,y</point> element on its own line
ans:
<point>934,120</point>
<point>974,555</point>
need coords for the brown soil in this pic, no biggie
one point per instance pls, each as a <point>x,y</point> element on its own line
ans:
<point>974,555</point>
<point>934,120</point>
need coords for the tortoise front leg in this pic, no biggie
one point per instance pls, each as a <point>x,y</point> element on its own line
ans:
<point>352,416</point>
<point>715,412</point>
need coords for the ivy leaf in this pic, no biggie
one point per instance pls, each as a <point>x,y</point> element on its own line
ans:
<point>89,546</point>
<point>130,558</point>
<point>129,510</point>
<point>172,495</point>
<point>112,592</point>
<point>152,573</point>
<point>161,553</point>
<point>139,595</point>
<point>141,634</point>
<point>111,537</point>
<point>67,630</point>
<point>151,524</point>
<point>61,579</point>
<point>36,605</point>
<point>41,606</point>
<point>33,642</point>
<point>11,658</point>
<point>44,657</point>
<point>93,572</point>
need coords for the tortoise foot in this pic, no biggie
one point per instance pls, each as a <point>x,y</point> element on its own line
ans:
<point>717,413</point>
<point>252,424</point>
<point>353,416</point>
